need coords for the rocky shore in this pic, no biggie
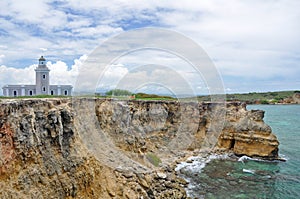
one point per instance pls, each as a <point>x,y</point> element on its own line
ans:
<point>63,148</point>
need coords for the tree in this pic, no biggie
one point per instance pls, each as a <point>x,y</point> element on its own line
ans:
<point>118,92</point>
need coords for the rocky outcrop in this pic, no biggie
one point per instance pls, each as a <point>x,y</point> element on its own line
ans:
<point>154,125</point>
<point>296,98</point>
<point>246,133</point>
<point>43,153</point>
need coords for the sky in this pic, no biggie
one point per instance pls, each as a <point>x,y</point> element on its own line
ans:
<point>253,44</point>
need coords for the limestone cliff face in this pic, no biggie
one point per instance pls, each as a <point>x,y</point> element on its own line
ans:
<point>42,154</point>
<point>156,125</point>
<point>246,133</point>
<point>296,98</point>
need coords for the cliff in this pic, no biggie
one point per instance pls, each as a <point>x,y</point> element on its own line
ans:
<point>59,148</point>
<point>246,133</point>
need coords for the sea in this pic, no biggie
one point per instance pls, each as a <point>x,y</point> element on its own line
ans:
<point>226,176</point>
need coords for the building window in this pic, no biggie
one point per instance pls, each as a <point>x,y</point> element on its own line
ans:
<point>44,76</point>
<point>15,93</point>
<point>44,89</point>
<point>66,92</point>
<point>30,93</point>
<point>52,92</point>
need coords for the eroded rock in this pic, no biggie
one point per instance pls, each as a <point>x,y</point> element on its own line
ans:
<point>43,156</point>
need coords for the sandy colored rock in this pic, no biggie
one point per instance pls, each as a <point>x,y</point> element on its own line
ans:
<point>42,154</point>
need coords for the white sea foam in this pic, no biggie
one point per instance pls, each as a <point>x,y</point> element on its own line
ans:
<point>249,171</point>
<point>192,164</point>
<point>283,157</point>
<point>244,157</point>
<point>196,164</point>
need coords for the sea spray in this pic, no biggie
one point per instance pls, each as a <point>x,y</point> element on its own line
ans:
<point>194,165</point>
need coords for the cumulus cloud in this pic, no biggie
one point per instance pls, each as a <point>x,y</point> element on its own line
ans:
<point>60,73</point>
<point>111,77</point>
<point>152,78</point>
<point>10,75</point>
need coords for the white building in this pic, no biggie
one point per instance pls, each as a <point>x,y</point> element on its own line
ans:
<point>41,87</point>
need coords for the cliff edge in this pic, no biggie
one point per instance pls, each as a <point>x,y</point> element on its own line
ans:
<point>44,153</point>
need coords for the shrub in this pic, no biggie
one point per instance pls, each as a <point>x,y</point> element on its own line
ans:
<point>264,101</point>
<point>153,96</point>
<point>118,92</point>
<point>153,159</point>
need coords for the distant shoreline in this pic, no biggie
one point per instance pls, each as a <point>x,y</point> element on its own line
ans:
<point>278,97</point>
<point>252,98</point>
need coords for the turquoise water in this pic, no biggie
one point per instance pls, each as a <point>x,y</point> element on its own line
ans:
<point>224,177</point>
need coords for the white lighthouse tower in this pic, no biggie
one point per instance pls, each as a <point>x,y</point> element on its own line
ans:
<point>42,85</point>
<point>42,77</point>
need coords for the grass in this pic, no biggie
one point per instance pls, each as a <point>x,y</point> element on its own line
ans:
<point>266,96</point>
<point>138,96</point>
<point>153,159</point>
<point>35,96</point>
<point>144,96</point>
<point>263,98</point>
<point>155,98</point>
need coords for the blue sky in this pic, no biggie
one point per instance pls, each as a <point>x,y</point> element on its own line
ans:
<point>254,44</point>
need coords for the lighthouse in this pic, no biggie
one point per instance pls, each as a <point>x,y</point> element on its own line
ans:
<point>42,85</point>
<point>42,78</point>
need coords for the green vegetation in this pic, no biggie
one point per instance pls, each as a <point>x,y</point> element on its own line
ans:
<point>124,94</point>
<point>280,95</point>
<point>118,92</point>
<point>250,98</point>
<point>254,97</point>
<point>264,101</point>
<point>145,96</point>
<point>153,159</point>
<point>263,98</point>
<point>35,96</point>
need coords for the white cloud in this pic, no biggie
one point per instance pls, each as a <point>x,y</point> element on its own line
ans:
<point>1,58</point>
<point>43,49</point>
<point>111,77</point>
<point>155,78</point>
<point>239,33</point>
<point>247,39</point>
<point>9,75</point>
<point>98,30</point>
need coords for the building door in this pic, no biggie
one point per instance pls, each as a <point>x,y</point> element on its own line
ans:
<point>66,92</point>
<point>52,92</point>
<point>30,93</point>
<point>15,93</point>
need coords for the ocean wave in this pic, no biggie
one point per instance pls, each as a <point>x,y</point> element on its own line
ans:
<point>283,157</point>
<point>243,158</point>
<point>246,158</point>
<point>196,163</point>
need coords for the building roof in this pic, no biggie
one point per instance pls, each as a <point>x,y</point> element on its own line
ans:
<point>42,58</point>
